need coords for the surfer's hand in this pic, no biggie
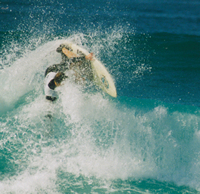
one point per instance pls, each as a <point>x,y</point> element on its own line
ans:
<point>89,57</point>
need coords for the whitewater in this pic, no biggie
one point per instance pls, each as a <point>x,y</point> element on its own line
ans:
<point>94,139</point>
<point>144,141</point>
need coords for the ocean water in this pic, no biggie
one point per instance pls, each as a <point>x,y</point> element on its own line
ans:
<point>147,140</point>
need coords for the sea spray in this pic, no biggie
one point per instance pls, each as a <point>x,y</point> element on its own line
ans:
<point>92,138</point>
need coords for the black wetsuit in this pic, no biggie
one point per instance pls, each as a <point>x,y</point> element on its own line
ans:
<point>80,62</point>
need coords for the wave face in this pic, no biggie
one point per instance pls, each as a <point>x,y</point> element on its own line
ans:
<point>145,140</point>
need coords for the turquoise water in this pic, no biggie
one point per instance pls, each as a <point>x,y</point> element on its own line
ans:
<point>144,141</point>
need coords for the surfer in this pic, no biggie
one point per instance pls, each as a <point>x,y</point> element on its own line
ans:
<point>55,74</point>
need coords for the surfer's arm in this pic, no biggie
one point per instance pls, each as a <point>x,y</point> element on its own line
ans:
<point>74,56</point>
<point>85,57</point>
<point>77,61</point>
<point>65,49</point>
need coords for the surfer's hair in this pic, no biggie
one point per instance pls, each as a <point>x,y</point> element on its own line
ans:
<point>59,77</point>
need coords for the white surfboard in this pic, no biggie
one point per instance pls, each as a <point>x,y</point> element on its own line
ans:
<point>101,76</point>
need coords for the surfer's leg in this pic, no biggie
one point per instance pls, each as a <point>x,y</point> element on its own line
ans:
<point>64,58</point>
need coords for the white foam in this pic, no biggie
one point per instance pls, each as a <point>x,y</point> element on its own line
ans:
<point>103,140</point>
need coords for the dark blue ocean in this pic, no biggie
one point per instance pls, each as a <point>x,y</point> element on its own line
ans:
<point>147,140</point>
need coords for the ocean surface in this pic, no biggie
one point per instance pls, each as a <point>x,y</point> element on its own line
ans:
<point>147,140</point>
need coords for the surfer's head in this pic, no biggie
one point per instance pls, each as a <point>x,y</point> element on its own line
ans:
<point>59,77</point>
